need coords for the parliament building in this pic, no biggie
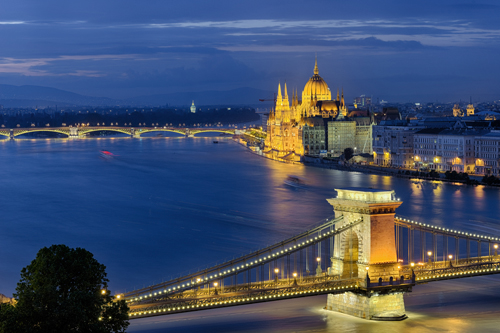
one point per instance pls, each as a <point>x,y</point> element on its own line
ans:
<point>316,125</point>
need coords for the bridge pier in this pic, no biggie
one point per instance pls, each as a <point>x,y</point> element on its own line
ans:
<point>73,133</point>
<point>367,249</point>
<point>11,134</point>
<point>387,306</point>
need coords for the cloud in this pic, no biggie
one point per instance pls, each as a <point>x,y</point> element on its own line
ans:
<point>11,22</point>
<point>43,66</point>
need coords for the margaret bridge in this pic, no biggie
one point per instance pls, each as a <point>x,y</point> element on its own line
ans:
<point>365,258</point>
<point>81,132</point>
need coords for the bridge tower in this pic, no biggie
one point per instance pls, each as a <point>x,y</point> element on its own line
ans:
<point>367,250</point>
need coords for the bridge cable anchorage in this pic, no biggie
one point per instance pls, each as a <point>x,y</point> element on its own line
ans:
<point>245,276</point>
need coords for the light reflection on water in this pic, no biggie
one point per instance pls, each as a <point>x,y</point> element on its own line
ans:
<point>166,206</point>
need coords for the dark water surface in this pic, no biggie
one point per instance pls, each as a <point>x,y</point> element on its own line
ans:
<point>164,206</point>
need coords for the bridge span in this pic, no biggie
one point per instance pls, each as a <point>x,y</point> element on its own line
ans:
<point>136,132</point>
<point>364,258</point>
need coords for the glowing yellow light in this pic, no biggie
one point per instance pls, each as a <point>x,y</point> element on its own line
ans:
<point>412,264</point>
<point>429,253</point>
<point>294,274</point>
<point>318,259</point>
<point>450,256</point>
<point>495,246</point>
<point>215,284</point>
<point>276,270</point>
<point>103,291</point>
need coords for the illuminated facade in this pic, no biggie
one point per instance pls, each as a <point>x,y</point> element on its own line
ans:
<point>470,109</point>
<point>193,108</point>
<point>293,128</point>
<point>457,112</point>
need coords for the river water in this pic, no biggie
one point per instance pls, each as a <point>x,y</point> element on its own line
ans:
<point>165,206</point>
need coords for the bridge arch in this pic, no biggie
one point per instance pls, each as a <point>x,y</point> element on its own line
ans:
<point>139,131</point>
<point>82,131</point>
<point>22,132</point>
<point>351,254</point>
<point>194,132</point>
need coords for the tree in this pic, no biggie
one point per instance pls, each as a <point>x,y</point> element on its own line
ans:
<point>64,290</point>
<point>348,153</point>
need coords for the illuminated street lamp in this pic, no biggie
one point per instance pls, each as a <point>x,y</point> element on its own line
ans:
<point>495,246</point>
<point>450,257</point>
<point>319,271</point>
<point>294,279</point>
<point>276,271</point>
<point>215,288</point>
<point>429,254</point>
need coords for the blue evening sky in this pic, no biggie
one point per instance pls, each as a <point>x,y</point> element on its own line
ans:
<point>396,50</point>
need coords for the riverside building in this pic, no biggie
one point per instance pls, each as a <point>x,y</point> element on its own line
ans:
<point>302,127</point>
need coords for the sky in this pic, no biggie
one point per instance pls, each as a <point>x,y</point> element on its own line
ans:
<point>399,51</point>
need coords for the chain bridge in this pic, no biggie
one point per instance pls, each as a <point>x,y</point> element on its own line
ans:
<point>80,132</point>
<point>364,258</point>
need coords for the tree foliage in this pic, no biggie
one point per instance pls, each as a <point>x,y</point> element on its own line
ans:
<point>61,291</point>
<point>348,153</point>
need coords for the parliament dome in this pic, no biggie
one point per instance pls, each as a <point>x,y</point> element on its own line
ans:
<point>316,87</point>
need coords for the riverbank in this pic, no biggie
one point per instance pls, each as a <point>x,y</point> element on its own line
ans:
<point>319,162</point>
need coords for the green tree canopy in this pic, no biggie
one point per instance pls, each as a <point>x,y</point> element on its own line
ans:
<point>64,290</point>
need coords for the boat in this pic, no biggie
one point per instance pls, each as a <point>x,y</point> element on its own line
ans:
<point>295,181</point>
<point>216,141</point>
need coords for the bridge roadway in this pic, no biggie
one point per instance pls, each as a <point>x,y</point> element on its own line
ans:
<point>256,292</point>
<point>79,132</point>
<point>203,299</point>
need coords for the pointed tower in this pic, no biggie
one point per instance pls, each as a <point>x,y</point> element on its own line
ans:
<point>343,107</point>
<point>470,108</point>
<point>338,95</point>
<point>285,111</point>
<point>279,104</point>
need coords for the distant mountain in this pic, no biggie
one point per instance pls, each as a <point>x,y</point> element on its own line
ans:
<point>239,96</point>
<point>28,96</point>
<point>31,96</point>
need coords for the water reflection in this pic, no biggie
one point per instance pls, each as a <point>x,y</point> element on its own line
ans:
<point>165,206</point>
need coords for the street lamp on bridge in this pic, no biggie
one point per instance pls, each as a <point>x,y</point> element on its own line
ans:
<point>495,246</point>
<point>276,271</point>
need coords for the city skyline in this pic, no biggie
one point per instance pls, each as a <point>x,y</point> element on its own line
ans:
<point>398,52</point>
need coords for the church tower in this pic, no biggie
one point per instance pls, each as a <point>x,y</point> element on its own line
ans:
<point>193,108</point>
<point>470,108</point>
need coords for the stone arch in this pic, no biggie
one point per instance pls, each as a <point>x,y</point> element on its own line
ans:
<point>351,254</point>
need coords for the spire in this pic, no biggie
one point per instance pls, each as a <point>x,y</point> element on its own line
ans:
<point>286,92</point>
<point>316,71</point>
<point>279,90</point>
<point>338,95</point>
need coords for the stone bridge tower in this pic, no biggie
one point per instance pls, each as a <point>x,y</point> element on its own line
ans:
<point>371,243</point>
<point>368,247</point>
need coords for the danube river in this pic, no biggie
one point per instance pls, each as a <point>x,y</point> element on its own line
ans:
<point>165,206</point>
